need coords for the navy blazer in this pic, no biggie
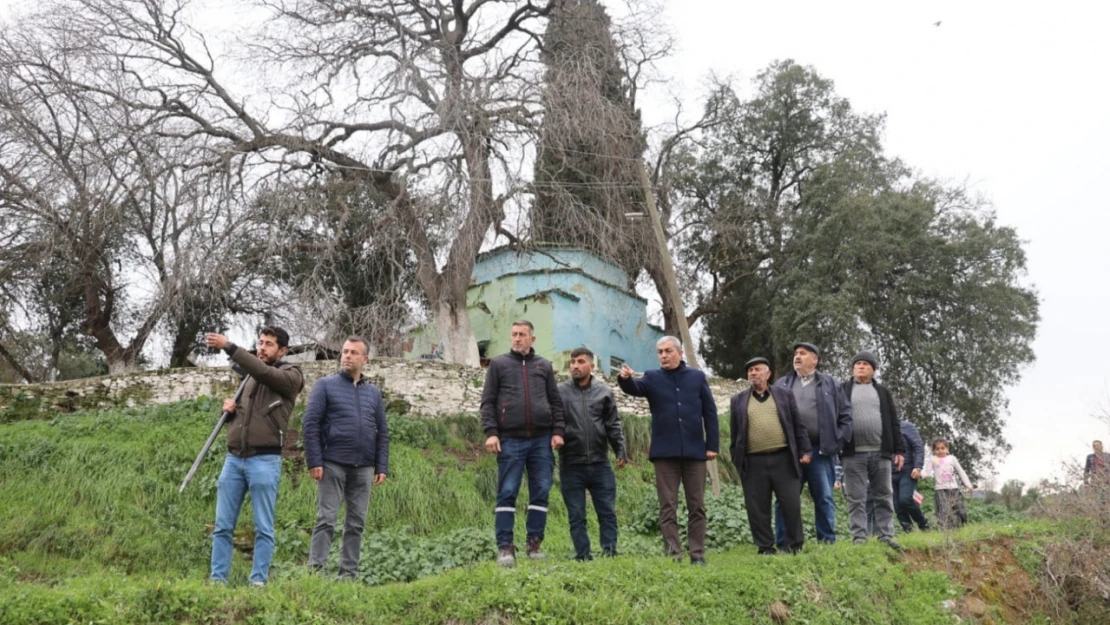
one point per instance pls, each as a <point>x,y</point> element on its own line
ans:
<point>683,414</point>
<point>797,438</point>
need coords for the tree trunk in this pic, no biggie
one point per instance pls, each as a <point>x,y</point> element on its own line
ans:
<point>459,344</point>
<point>26,374</point>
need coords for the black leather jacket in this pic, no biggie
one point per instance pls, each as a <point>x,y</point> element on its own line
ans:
<point>592,423</point>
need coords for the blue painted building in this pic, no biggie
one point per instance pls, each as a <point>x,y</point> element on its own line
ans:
<point>572,296</point>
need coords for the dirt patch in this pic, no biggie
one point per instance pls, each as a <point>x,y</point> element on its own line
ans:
<point>991,576</point>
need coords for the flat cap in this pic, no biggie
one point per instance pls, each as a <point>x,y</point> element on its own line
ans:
<point>809,347</point>
<point>758,360</point>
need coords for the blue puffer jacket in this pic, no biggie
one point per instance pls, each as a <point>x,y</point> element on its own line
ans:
<point>683,414</point>
<point>834,411</point>
<point>344,422</point>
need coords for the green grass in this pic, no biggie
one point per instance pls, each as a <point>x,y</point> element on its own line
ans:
<point>93,531</point>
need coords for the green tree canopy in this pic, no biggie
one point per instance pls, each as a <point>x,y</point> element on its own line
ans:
<point>806,231</point>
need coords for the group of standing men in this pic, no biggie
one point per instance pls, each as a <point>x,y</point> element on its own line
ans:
<point>784,436</point>
<point>346,445</point>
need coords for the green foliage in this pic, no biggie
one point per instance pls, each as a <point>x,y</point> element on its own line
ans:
<point>21,406</point>
<point>811,232</point>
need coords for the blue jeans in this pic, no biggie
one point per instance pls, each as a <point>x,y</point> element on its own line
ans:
<point>260,475</point>
<point>518,454</point>
<point>598,478</point>
<point>820,474</point>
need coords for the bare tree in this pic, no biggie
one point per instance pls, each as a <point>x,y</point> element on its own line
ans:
<point>405,95</point>
<point>103,216</point>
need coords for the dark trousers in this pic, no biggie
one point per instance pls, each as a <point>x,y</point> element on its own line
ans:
<point>598,479</point>
<point>767,474</point>
<point>669,472</point>
<point>908,510</point>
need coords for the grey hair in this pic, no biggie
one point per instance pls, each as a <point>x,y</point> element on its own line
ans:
<point>526,323</point>
<point>672,339</point>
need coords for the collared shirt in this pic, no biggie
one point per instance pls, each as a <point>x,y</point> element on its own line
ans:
<point>807,379</point>
<point>762,397</point>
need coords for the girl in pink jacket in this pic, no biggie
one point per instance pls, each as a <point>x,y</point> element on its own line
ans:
<point>949,500</point>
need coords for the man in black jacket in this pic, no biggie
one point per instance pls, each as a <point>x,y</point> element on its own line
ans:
<point>592,427</point>
<point>876,444</point>
<point>769,445</point>
<point>522,415</point>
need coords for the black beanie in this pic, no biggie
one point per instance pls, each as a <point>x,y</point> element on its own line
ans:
<point>867,357</point>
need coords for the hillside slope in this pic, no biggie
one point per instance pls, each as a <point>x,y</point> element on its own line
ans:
<point>93,530</point>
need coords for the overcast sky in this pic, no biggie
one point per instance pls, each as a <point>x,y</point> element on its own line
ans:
<point>1012,100</point>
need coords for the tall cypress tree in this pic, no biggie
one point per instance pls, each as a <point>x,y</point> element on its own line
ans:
<point>591,139</point>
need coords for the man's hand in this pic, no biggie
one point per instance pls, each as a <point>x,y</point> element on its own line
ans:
<point>710,455</point>
<point>493,445</point>
<point>805,459</point>
<point>379,479</point>
<point>316,473</point>
<point>916,474</point>
<point>837,485</point>
<point>622,463</point>
<point>626,372</point>
<point>229,406</point>
<point>217,341</point>
<point>556,441</point>
<point>899,460</point>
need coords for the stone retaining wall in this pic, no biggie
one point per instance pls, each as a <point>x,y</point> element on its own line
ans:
<point>423,388</point>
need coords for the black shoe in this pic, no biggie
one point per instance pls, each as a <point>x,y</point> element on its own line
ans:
<point>586,558</point>
<point>608,553</point>
<point>893,544</point>
<point>767,552</point>
<point>697,561</point>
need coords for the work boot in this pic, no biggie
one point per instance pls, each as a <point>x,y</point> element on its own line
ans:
<point>534,552</point>
<point>506,556</point>
<point>890,542</point>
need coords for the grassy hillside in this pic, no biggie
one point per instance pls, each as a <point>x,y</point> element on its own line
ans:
<point>93,530</point>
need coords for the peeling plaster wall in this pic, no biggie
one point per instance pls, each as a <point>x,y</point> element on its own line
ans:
<point>422,388</point>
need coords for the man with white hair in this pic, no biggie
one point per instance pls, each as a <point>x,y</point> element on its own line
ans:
<point>683,436</point>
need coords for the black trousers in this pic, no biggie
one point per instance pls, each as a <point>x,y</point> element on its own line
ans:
<point>768,474</point>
